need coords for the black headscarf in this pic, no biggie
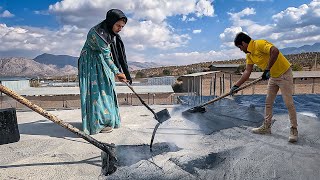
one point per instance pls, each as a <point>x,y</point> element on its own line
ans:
<point>104,29</point>
<point>113,16</point>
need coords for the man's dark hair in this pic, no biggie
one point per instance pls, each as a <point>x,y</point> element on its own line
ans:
<point>241,37</point>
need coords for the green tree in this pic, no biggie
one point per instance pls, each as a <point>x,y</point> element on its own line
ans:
<point>166,72</point>
<point>240,68</point>
<point>296,67</point>
<point>34,83</point>
<point>179,78</point>
<point>177,87</point>
<point>256,69</point>
<point>140,75</point>
<point>213,68</point>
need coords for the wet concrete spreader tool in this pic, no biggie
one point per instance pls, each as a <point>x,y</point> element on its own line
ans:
<point>108,154</point>
<point>160,116</point>
<point>201,108</point>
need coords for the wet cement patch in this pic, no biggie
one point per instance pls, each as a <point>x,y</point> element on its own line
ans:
<point>131,154</point>
<point>225,114</point>
<point>303,103</point>
<point>203,163</point>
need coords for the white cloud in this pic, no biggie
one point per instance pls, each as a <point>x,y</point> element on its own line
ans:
<point>204,8</point>
<point>298,36</point>
<point>192,19</point>
<point>236,18</point>
<point>145,34</point>
<point>41,12</point>
<point>290,27</point>
<point>186,19</point>
<point>146,28</point>
<point>229,34</point>
<point>196,57</point>
<point>6,14</point>
<point>196,31</point>
<point>136,57</point>
<point>261,30</point>
<point>244,12</point>
<point>291,16</point>
<point>68,40</point>
<point>148,31</point>
<point>154,10</point>
<point>302,16</point>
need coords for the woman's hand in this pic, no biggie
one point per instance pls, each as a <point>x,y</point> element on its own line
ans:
<point>121,77</point>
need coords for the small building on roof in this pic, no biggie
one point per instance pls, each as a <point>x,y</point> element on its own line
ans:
<point>164,80</point>
<point>224,67</point>
<point>194,82</point>
<point>15,83</point>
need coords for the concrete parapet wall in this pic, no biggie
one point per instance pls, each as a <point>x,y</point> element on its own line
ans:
<point>73,101</point>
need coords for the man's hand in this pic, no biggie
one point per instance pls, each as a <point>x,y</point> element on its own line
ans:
<point>121,77</point>
<point>233,90</point>
<point>266,74</point>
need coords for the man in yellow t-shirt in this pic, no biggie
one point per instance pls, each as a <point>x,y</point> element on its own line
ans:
<point>278,72</point>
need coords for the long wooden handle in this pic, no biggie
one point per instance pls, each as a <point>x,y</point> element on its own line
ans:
<point>141,100</point>
<point>227,94</point>
<point>55,119</point>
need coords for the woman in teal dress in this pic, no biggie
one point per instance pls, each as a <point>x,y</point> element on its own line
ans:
<point>101,60</point>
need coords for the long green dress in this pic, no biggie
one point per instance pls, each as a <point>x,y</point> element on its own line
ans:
<point>99,105</point>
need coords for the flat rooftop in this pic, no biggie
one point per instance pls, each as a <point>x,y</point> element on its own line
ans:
<point>216,144</point>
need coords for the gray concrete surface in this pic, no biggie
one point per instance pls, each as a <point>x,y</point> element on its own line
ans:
<point>217,144</point>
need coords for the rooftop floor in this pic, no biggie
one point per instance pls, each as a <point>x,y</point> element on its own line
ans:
<point>217,144</point>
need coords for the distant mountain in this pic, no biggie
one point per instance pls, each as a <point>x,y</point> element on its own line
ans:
<point>59,60</point>
<point>139,65</point>
<point>297,50</point>
<point>51,65</point>
<point>31,68</point>
<point>303,60</point>
<point>62,60</point>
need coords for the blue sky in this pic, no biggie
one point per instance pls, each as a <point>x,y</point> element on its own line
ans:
<point>161,31</point>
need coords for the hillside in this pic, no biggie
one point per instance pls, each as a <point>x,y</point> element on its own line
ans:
<point>30,68</point>
<point>59,60</point>
<point>139,65</point>
<point>62,60</point>
<point>305,60</point>
<point>303,49</point>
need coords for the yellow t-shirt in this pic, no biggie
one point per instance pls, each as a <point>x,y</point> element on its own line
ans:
<point>260,54</point>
